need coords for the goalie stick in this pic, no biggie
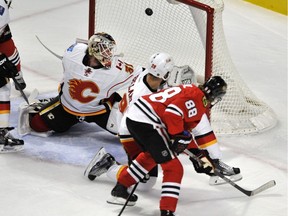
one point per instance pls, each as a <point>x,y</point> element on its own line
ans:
<point>53,53</point>
<point>246,192</point>
<point>78,40</point>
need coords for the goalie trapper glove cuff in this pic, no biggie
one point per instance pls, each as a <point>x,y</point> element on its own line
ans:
<point>181,141</point>
<point>7,68</point>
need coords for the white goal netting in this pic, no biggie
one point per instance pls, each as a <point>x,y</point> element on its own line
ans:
<point>192,32</point>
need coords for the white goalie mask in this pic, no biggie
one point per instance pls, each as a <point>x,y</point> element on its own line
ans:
<point>102,46</point>
<point>160,65</point>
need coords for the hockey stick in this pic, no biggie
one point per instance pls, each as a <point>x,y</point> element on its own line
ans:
<point>20,89</point>
<point>246,192</point>
<point>53,53</point>
<point>131,193</point>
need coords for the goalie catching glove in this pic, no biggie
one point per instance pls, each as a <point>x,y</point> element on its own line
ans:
<point>181,141</point>
<point>207,165</point>
<point>7,68</point>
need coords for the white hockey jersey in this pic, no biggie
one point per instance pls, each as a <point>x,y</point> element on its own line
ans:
<point>83,87</point>
<point>4,15</point>
<point>136,89</point>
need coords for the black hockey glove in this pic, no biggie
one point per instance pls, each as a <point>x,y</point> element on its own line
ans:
<point>181,141</point>
<point>207,166</point>
<point>7,68</point>
<point>108,102</point>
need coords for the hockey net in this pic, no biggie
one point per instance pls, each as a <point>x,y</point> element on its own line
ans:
<point>192,32</point>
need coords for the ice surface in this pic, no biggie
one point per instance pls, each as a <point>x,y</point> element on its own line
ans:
<point>47,177</point>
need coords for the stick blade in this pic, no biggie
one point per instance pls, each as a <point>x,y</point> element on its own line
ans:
<point>264,187</point>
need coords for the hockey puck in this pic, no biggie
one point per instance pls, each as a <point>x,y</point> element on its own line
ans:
<point>149,11</point>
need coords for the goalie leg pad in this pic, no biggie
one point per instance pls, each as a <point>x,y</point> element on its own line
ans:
<point>56,118</point>
<point>114,119</point>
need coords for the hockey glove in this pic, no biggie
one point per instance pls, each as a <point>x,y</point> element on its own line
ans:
<point>108,102</point>
<point>7,68</point>
<point>181,141</point>
<point>207,166</point>
<point>20,80</point>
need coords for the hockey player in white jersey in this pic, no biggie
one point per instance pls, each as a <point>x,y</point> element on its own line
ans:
<point>146,82</point>
<point>92,76</point>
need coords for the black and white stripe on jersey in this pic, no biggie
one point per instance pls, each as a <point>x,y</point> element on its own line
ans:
<point>170,189</point>
<point>137,171</point>
<point>174,109</point>
<point>148,110</point>
<point>15,58</point>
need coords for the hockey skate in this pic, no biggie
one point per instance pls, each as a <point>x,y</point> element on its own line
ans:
<point>8,143</point>
<point>119,195</point>
<point>99,165</point>
<point>232,173</point>
<point>167,213</point>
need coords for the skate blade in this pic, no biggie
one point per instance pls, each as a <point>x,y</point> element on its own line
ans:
<point>216,180</point>
<point>9,149</point>
<point>119,201</point>
<point>95,159</point>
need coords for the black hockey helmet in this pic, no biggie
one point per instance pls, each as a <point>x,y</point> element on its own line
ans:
<point>214,89</point>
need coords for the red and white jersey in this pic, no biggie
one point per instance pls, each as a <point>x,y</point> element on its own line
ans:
<point>83,87</point>
<point>177,108</point>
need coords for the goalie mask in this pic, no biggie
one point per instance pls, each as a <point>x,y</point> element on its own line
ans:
<point>160,65</point>
<point>214,89</point>
<point>102,47</point>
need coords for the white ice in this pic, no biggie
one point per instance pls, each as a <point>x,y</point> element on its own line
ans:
<point>46,178</point>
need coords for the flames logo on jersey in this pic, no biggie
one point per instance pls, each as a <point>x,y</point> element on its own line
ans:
<point>83,91</point>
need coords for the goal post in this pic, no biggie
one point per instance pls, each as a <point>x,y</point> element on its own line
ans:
<point>192,32</point>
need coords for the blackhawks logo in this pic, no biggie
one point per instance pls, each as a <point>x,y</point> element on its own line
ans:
<point>205,102</point>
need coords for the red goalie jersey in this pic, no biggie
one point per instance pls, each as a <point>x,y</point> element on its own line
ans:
<point>178,108</point>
